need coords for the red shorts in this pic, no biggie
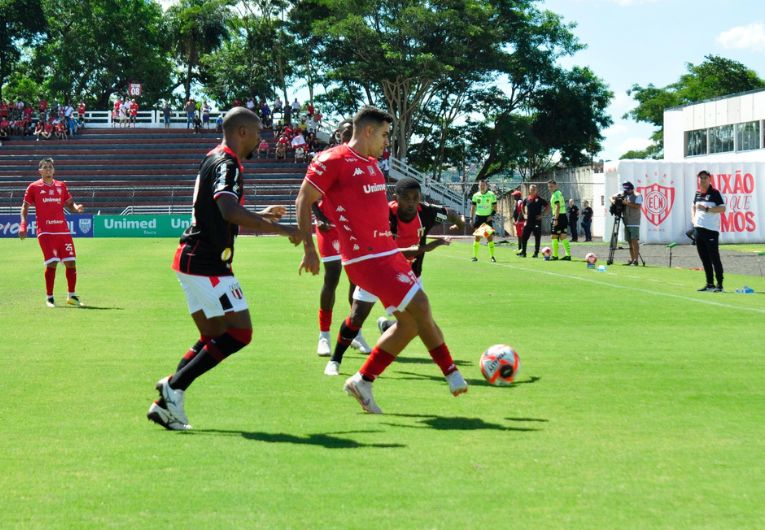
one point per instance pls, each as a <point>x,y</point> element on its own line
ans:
<point>57,247</point>
<point>329,244</point>
<point>389,278</point>
<point>519,229</point>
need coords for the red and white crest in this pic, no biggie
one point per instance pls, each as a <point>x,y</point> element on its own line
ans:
<point>657,202</point>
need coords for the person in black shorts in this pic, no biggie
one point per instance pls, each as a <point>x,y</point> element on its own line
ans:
<point>534,207</point>
<point>203,263</point>
<point>559,221</point>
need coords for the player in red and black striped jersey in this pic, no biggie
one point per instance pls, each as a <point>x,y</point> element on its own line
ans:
<point>203,263</point>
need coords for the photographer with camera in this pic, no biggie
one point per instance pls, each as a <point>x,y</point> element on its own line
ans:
<point>627,205</point>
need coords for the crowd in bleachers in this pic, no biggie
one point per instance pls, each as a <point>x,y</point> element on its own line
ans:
<point>44,121</point>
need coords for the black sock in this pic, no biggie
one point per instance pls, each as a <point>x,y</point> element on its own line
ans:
<point>193,352</point>
<point>211,355</point>
<point>344,338</point>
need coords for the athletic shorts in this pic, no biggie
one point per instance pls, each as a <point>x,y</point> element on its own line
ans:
<point>561,226</point>
<point>365,296</point>
<point>214,295</point>
<point>631,233</point>
<point>389,278</point>
<point>481,219</point>
<point>519,229</point>
<point>57,247</point>
<point>329,244</point>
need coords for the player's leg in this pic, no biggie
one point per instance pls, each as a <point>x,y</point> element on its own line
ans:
<point>537,239</point>
<point>490,243</point>
<point>50,280</point>
<point>349,329</point>
<point>554,238</point>
<point>476,246</point>
<point>50,260</point>
<point>563,236</point>
<point>332,272</point>
<point>524,240</point>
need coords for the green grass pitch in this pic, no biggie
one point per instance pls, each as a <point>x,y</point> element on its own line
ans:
<point>640,403</point>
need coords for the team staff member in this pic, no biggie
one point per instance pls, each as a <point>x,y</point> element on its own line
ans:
<point>50,197</point>
<point>587,214</point>
<point>534,207</point>
<point>707,206</point>
<point>203,263</point>
<point>559,221</point>
<point>348,177</point>
<point>482,210</point>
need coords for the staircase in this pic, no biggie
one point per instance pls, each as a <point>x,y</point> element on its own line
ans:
<point>115,171</point>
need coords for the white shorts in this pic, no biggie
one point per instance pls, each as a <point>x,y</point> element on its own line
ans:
<point>214,295</point>
<point>365,296</point>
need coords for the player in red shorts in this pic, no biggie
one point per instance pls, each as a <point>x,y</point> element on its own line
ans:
<point>50,197</point>
<point>328,242</point>
<point>203,263</point>
<point>410,222</point>
<point>348,178</point>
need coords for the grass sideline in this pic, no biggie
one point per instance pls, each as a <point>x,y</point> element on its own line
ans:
<point>640,402</point>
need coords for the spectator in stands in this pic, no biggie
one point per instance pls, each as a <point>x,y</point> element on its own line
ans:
<point>265,115</point>
<point>166,114</point>
<point>251,104</point>
<point>116,111</point>
<point>61,130</point>
<point>42,107</point>
<point>263,148</point>
<point>125,113</point>
<point>278,104</point>
<point>47,130</point>
<point>69,118</point>
<point>385,162</point>
<point>5,129</point>
<point>287,115</point>
<point>197,124</point>
<point>317,118</point>
<point>190,108</point>
<point>299,145</point>
<point>206,114</point>
<point>3,109</point>
<point>81,108</point>
<point>310,109</point>
<point>133,111</point>
<point>237,102</point>
<point>219,123</point>
<point>281,147</point>
<point>38,132</point>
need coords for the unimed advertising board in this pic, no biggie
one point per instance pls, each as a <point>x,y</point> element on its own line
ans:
<point>140,225</point>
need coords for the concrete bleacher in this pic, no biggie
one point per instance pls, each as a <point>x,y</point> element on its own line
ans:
<point>111,170</point>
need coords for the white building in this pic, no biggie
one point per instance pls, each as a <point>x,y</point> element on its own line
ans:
<point>728,129</point>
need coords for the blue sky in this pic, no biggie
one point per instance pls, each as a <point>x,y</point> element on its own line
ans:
<point>651,41</point>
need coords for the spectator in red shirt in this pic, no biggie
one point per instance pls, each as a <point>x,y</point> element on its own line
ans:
<point>263,148</point>
<point>81,113</point>
<point>133,111</point>
<point>39,129</point>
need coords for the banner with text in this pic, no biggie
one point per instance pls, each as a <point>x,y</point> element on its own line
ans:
<point>140,225</point>
<point>668,189</point>
<point>80,225</point>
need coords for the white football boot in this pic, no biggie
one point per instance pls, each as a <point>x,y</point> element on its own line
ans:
<point>357,387</point>
<point>323,348</point>
<point>173,401</point>
<point>360,344</point>
<point>332,368</point>
<point>457,383</point>
<point>161,416</point>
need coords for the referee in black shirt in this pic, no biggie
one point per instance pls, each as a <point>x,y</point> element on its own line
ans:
<point>707,206</point>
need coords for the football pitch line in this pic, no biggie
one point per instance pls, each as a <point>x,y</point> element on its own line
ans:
<point>626,287</point>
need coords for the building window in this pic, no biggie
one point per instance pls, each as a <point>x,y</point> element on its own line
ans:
<point>721,139</point>
<point>696,143</point>
<point>748,136</point>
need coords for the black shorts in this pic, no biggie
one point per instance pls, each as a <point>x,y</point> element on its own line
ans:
<point>481,219</point>
<point>561,226</point>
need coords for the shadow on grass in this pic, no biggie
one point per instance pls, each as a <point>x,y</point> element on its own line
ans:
<point>472,382</point>
<point>326,440</point>
<point>95,307</point>
<point>457,423</point>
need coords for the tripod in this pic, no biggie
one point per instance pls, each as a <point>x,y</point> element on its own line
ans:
<point>614,243</point>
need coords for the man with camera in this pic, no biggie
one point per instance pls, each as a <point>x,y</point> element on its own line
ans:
<point>628,204</point>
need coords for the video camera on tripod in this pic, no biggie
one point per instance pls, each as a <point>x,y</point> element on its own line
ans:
<point>618,205</point>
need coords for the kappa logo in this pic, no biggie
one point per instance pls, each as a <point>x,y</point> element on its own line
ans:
<point>357,172</point>
<point>657,202</point>
<point>352,238</point>
<point>336,245</point>
<point>43,192</point>
<point>356,247</point>
<point>342,219</point>
<point>347,228</point>
<point>404,278</point>
<point>339,209</point>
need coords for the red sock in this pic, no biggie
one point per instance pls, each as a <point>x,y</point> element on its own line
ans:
<point>443,359</point>
<point>376,363</point>
<point>71,279</point>
<point>325,319</point>
<point>50,277</point>
<point>347,330</point>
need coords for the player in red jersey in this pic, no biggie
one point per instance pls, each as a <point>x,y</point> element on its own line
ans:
<point>203,263</point>
<point>348,178</point>
<point>50,197</point>
<point>328,242</point>
<point>410,222</point>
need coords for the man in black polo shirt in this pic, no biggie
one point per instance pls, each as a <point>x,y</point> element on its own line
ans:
<point>707,206</point>
<point>534,207</point>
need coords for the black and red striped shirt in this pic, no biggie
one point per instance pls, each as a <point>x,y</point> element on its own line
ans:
<point>414,232</point>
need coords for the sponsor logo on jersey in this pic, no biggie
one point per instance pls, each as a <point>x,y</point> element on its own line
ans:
<point>383,234</point>
<point>404,278</point>
<point>373,188</point>
<point>52,199</point>
<point>336,245</point>
<point>351,160</point>
<point>357,172</point>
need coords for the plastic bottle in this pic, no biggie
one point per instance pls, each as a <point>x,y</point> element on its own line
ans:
<point>745,290</point>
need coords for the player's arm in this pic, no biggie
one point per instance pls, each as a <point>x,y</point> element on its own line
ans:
<point>23,220</point>
<point>457,221</point>
<point>307,196</point>
<point>235,213</point>
<point>73,206</point>
<point>273,212</point>
<point>419,250</point>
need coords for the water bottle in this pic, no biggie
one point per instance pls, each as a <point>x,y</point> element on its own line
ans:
<point>602,268</point>
<point>745,290</point>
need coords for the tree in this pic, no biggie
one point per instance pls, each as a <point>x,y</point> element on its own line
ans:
<point>23,23</point>
<point>715,77</point>
<point>196,28</point>
<point>96,47</point>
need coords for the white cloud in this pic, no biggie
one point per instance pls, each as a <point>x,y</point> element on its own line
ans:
<point>748,37</point>
<point>634,144</point>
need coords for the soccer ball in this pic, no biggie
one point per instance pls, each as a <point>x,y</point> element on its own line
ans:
<point>500,364</point>
<point>547,252</point>
<point>591,258</point>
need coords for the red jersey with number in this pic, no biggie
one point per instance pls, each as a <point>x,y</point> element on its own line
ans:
<point>355,201</point>
<point>48,200</point>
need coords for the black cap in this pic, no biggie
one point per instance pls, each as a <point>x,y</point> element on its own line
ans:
<point>628,186</point>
